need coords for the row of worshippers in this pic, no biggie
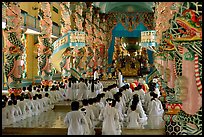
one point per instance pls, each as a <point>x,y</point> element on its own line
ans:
<point>114,109</point>
<point>33,100</point>
<point>82,89</point>
<point>39,98</point>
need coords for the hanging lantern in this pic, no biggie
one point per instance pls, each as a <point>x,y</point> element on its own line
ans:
<point>148,40</point>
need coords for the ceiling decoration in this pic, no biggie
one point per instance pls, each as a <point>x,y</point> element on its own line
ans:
<point>107,7</point>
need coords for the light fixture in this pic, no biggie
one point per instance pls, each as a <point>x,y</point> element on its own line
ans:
<point>148,40</point>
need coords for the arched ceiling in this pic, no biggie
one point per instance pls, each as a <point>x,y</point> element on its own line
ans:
<point>106,7</point>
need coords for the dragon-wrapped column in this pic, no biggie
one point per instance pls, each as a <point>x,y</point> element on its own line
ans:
<point>45,48</point>
<point>14,48</point>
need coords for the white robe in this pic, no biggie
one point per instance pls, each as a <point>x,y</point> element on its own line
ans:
<point>96,76</point>
<point>143,116</point>
<point>82,92</point>
<point>109,116</point>
<point>36,107</point>
<point>133,120</point>
<point>24,109</point>
<point>12,114</point>
<point>141,95</point>
<point>75,120</point>
<point>156,111</point>
<point>29,105</point>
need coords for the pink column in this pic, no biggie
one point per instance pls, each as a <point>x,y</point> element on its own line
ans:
<point>193,101</point>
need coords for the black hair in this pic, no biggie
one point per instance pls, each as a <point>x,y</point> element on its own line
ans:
<point>30,89</point>
<point>24,88</point>
<point>116,97</point>
<point>46,94</point>
<point>12,96</point>
<point>133,107</point>
<point>154,95</point>
<point>85,102</point>
<point>83,110</point>
<point>70,84</point>
<point>34,88</point>
<point>46,88</point>
<point>86,82</point>
<point>40,96</point>
<point>135,100</point>
<point>113,103</point>
<point>34,97</point>
<point>26,96</point>
<point>14,101</point>
<point>75,105</point>
<point>92,87</point>
<point>90,101</point>
<point>22,98</point>
<point>10,102</point>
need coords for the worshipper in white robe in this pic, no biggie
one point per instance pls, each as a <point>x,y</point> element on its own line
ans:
<point>89,110</point>
<point>148,97</point>
<point>108,93</point>
<point>143,116</point>
<point>100,86</point>
<point>109,116</point>
<point>156,111</point>
<point>74,87</point>
<point>140,92</point>
<point>128,93</point>
<point>96,76</point>
<point>118,105</point>
<point>133,118</point>
<point>122,100</point>
<point>41,103</point>
<point>11,113</point>
<point>103,99</point>
<point>29,105</point>
<point>24,107</point>
<point>114,89</point>
<point>36,110</point>
<point>119,122</point>
<point>4,114</point>
<point>88,126</point>
<point>66,87</point>
<point>49,105</point>
<point>75,120</point>
<point>120,78</point>
<point>82,90</point>
<point>94,92</point>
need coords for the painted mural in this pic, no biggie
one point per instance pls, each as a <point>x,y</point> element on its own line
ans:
<point>179,56</point>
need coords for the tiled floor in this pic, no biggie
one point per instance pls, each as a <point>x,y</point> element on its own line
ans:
<point>50,119</point>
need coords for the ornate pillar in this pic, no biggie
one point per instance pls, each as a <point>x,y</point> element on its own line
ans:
<point>14,48</point>
<point>65,27</point>
<point>89,39</point>
<point>45,48</point>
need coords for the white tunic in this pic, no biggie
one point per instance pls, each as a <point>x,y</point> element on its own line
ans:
<point>133,120</point>
<point>82,92</point>
<point>156,111</point>
<point>109,116</point>
<point>95,75</point>
<point>75,121</point>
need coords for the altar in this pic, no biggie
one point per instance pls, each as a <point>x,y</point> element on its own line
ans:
<point>129,66</point>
